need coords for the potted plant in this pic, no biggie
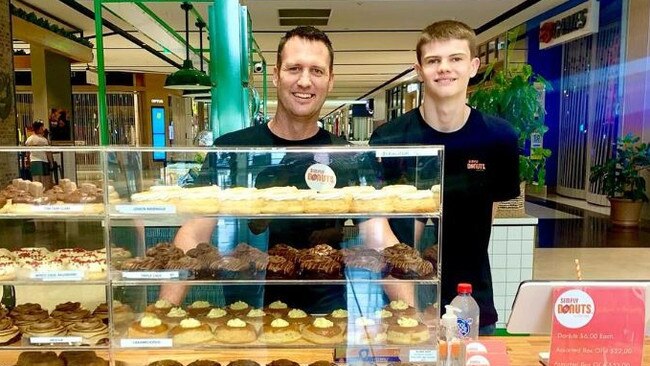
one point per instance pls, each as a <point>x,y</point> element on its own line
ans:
<point>622,181</point>
<point>513,94</point>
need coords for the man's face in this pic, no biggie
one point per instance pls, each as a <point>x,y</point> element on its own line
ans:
<point>303,79</point>
<point>446,67</point>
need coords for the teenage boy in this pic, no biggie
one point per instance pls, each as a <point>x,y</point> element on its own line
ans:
<point>480,161</point>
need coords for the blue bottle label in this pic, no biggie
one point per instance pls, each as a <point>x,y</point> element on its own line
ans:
<point>464,326</point>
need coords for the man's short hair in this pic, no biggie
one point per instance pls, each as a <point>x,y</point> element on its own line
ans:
<point>309,33</point>
<point>36,125</point>
<point>445,30</point>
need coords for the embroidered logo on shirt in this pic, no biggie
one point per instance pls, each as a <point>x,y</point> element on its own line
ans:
<point>475,165</point>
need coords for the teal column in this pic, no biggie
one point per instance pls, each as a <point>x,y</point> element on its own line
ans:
<point>227,109</point>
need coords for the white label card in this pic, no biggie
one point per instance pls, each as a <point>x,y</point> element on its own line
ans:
<point>55,340</point>
<point>58,275</point>
<point>163,275</point>
<point>396,153</point>
<point>146,209</point>
<point>423,355</point>
<point>146,342</point>
<point>58,208</point>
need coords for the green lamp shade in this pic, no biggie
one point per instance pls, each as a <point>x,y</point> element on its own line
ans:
<point>188,78</point>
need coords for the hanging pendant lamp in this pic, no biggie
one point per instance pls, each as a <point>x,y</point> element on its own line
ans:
<point>187,77</point>
<point>199,92</point>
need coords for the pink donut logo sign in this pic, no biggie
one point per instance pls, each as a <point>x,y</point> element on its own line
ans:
<point>320,177</point>
<point>574,309</point>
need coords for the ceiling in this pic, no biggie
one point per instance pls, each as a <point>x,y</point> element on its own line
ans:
<point>374,40</point>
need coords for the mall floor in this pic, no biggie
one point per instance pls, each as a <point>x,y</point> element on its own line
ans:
<point>571,229</point>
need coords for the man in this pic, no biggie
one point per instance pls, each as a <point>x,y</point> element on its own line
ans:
<point>39,161</point>
<point>480,160</point>
<point>303,77</point>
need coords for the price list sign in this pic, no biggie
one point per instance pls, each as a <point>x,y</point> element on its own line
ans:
<point>597,326</point>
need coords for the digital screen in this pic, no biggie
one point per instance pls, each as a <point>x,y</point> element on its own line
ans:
<point>158,131</point>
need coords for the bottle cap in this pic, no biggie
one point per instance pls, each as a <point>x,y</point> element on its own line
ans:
<point>464,288</point>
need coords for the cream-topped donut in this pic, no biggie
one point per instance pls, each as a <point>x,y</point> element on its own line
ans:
<point>240,200</point>
<point>417,201</point>
<point>200,200</point>
<point>328,201</point>
<point>399,189</point>
<point>372,202</point>
<point>287,202</point>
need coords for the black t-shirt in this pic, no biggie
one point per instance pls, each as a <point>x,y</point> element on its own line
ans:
<point>290,171</point>
<point>481,166</point>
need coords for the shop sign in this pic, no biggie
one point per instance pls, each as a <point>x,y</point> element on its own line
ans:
<point>597,326</point>
<point>320,177</point>
<point>569,25</point>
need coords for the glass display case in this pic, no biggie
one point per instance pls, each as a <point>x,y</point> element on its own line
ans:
<point>307,254</point>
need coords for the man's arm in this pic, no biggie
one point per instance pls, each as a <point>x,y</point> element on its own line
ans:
<point>189,236</point>
<point>377,234</point>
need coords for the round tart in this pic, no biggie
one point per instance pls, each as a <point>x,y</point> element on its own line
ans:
<point>39,359</point>
<point>160,308</point>
<point>279,331</point>
<point>407,331</point>
<point>235,331</point>
<point>232,268</point>
<point>148,327</point>
<point>49,327</point>
<point>216,317</point>
<point>199,308</point>
<point>297,316</point>
<point>174,316</point>
<point>400,308</point>
<point>238,308</point>
<point>417,201</point>
<point>101,312</point>
<point>82,358</point>
<point>280,268</point>
<point>191,331</point>
<point>329,201</point>
<point>372,202</point>
<point>339,317</point>
<point>322,331</point>
<point>410,267</point>
<point>277,309</point>
<point>242,201</point>
<point>257,317</point>
<point>122,313</point>
<point>320,267</point>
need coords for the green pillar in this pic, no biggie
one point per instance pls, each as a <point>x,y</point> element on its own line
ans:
<point>102,113</point>
<point>227,109</point>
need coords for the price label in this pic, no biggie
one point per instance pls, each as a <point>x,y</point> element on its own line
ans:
<point>397,153</point>
<point>146,209</point>
<point>55,340</point>
<point>58,208</point>
<point>58,275</point>
<point>146,343</point>
<point>162,275</point>
<point>423,355</point>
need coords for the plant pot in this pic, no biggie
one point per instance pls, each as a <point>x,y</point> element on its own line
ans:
<point>625,212</point>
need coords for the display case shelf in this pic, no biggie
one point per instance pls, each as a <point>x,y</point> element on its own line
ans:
<point>301,282</point>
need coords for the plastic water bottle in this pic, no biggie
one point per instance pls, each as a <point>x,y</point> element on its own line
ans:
<point>469,312</point>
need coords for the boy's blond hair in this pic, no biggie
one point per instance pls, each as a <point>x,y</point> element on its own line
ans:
<point>445,30</point>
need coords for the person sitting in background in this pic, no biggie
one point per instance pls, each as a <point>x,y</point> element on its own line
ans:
<point>39,161</point>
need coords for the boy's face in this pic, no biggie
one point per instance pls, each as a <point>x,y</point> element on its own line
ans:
<point>303,79</point>
<point>446,67</point>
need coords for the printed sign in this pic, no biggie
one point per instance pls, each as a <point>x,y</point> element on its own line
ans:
<point>146,343</point>
<point>398,153</point>
<point>146,209</point>
<point>569,25</point>
<point>597,326</point>
<point>58,275</point>
<point>320,177</point>
<point>162,275</point>
<point>71,208</point>
<point>55,340</point>
<point>363,354</point>
<point>423,355</point>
